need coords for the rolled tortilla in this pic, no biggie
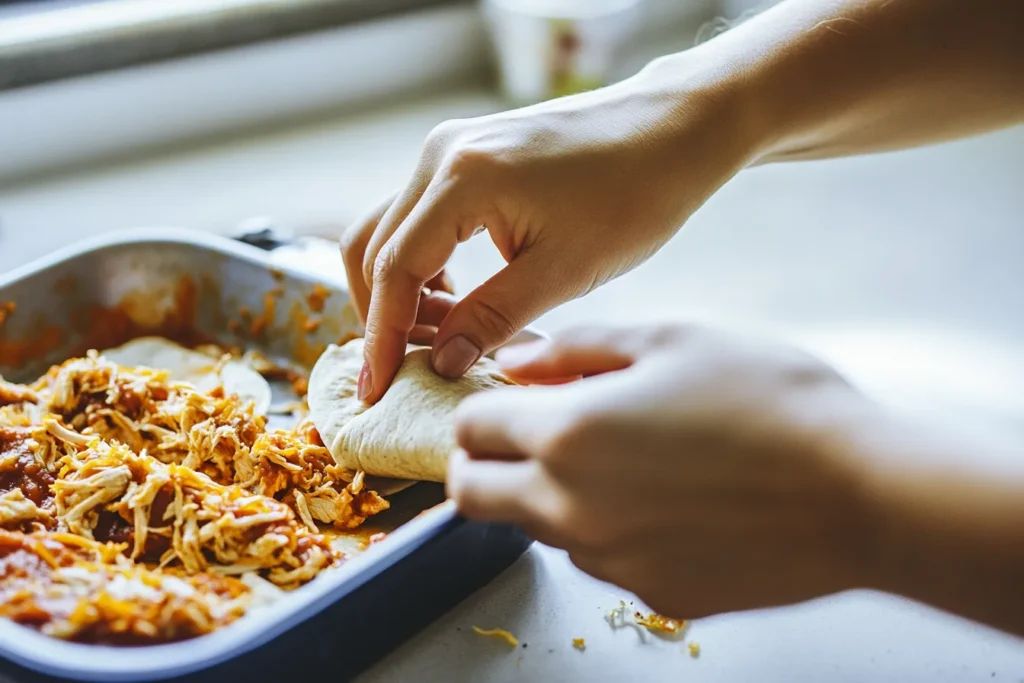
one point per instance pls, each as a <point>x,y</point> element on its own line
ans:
<point>410,432</point>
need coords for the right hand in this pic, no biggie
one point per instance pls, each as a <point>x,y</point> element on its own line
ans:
<point>572,192</point>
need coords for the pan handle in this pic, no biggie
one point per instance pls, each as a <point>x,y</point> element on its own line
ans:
<point>263,233</point>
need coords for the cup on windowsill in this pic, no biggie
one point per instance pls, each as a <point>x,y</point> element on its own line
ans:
<point>551,48</point>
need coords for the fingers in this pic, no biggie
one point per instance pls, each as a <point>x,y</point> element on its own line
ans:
<point>582,352</point>
<point>506,492</point>
<point>388,225</point>
<point>491,491</point>
<point>423,335</point>
<point>496,310</point>
<point>434,308</point>
<point>353,248</point>
<point>513,421</point>
<point>414,254</point>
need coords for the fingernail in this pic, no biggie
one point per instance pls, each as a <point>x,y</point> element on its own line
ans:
<point>365,382</point>
<point>455,357</point>
<point>520,354</point>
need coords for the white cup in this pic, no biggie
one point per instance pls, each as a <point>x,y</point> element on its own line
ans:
<point>549,48</point>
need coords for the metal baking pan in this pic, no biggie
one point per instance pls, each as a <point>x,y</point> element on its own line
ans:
<point>102,292</point>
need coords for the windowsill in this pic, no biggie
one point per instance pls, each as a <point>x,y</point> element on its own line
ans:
<point>43,45</point>
<point>70,124</point>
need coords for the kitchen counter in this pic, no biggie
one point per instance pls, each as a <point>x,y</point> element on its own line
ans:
<point>906,269</point>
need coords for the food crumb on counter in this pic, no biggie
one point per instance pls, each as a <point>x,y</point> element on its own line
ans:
<point>617,616</point>
<point>579,643</point>
<point>694,649</point>
<point>657,623</point>
<point>498,633</point>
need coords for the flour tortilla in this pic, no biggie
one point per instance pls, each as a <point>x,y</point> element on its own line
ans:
<point>410,432</point>
<point>185,365</point>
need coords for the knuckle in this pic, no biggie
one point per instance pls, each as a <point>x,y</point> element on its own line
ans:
<point>495,325</point>
<point>468,161</point>
<point>385,265</point>
<point>439,140</point>
<point>443,133</point>
<point>373,330</point>
<point>350,243</point>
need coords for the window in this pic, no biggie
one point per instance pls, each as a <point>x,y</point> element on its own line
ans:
<point>48,40</point>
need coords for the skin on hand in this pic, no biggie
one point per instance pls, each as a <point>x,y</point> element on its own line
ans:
<point>703,472</point>
<point>572,192</point>
<point>709,474</point>
<point>577,191</point>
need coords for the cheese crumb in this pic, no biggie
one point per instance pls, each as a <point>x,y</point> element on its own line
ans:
<point>498,633</point>
<point>579,643</point>
<point>657,623</point>
<point>694,649</point>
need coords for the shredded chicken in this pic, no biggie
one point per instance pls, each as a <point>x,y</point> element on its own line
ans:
<point>129,501</point>
<point>11,394</point>
<point>297,468</point>
<point>16,511</point>
<point>210,433</point>
<point>224,529</point>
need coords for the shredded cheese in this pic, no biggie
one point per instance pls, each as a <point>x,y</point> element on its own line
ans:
<point>657,623</point>
<point>498,633</point>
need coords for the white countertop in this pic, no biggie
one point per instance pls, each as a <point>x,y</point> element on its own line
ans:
<point>906,269</point>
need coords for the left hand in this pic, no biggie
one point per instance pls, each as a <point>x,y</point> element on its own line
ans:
<point>702,472</point>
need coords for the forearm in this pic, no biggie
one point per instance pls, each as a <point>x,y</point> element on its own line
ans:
<point>816,78</point>
<point>948,523</point>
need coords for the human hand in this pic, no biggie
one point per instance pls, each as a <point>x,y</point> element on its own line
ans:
<point>572,192</point>
<point>705,473</point>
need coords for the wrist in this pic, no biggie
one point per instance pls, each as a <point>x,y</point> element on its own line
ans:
<point>702,91</point>
<point>859,542</point>
<point>943,517</point>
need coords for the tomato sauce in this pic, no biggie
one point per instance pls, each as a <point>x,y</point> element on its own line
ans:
<point>20,468</point>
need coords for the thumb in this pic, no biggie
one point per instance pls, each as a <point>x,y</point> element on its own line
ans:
<point>495,311</point>
<point>582,352</point>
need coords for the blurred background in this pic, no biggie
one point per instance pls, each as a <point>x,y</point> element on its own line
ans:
<point>228,115</point>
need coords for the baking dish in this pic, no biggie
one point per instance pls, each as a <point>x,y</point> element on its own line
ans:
<point>198,287</point>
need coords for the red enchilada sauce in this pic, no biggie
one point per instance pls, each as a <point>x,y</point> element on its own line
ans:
<point>19,468</point>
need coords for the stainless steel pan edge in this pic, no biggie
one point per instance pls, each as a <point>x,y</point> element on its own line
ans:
<point>90,662</point>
